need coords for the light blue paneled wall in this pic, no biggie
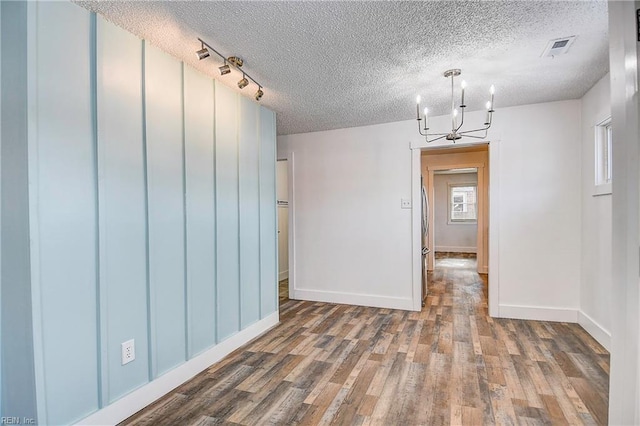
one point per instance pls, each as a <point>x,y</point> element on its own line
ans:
<point>122,208</point>
<point>249,169</point>
<point>200,209</point>
<point>227,213</point>
<point>17,383</point>
<point>268,218</point>
<point>63,213</point>
<point>152,211</point>
<point>165,194</point>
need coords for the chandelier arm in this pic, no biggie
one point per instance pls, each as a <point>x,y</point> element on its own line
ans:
<point>461,120</point>
<point>476,130</point>
<point>433,140</point>
<point>420,129</point>
<point>476,137</point>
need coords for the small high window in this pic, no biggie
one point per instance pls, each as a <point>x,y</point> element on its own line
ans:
<point>463,203</point>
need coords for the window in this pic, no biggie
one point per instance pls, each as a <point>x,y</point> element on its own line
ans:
<point>603,157</point>
<point>463,203</point>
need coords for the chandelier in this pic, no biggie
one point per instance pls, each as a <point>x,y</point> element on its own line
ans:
<point>455,133</point>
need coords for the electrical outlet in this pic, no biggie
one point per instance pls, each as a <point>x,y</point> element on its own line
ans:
<point>128,351</point>
<point>405,203</point>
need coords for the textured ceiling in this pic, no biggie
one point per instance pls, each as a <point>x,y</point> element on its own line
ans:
<point>327,65</point>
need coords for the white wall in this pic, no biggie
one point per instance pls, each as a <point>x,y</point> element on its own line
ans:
<point>456,237</point>
<point>596,285</point>
<point>353,237</point>
<point>624,398</point>
<point>539,218</point>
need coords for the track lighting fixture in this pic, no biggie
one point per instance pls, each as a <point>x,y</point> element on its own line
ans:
<point>259,94</point>
<point>203,53</point>
<point>230,62</point>
<point>225,69</point>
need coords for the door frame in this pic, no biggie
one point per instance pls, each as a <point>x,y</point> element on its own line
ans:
<point>493,221</point>
<point>291,241</point>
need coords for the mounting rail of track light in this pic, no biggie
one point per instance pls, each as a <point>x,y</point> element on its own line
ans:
<point>455,133</point>
<point>232,61</point>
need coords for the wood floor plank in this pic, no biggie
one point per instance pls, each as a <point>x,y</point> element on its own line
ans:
<point>448,364</point>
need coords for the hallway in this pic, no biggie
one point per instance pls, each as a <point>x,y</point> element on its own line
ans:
<point>449,364</point>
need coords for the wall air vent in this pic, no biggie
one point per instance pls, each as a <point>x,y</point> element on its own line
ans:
<point>558,46</point>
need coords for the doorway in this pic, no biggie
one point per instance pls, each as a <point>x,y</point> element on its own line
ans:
<point>456,182</point>
<point>282,202</point>
<point>461,205</point>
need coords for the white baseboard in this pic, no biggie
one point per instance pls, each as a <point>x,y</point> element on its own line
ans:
<point>404,303</point>
<point>283,275</point>
<point>539,313</point>
<point>141,397</point>
<point>595,330</point>
<point>456,249</point>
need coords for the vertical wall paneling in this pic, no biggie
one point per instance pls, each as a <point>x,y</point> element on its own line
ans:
<point>121,188</point>
<point>227,246</point>
<point>200,210</point>
<point>249,199</point>
<point>18,348</point>
<point>164,130</point>
<point>1,386</point>
<point>268,223</point>
<point>66,211</point>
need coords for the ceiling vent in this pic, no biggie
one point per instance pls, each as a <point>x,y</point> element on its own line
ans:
<point>558,46</point>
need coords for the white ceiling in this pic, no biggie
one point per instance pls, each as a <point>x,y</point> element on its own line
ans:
<point>327,65</point>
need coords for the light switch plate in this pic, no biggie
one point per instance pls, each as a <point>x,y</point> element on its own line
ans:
<point>405,203</point>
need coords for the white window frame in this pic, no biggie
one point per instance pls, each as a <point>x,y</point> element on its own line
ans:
<point>450,206</point>
<point>603,158</point>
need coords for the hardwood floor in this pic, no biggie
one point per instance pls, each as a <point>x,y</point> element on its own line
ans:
<point>283,291</point>
<point>449,364</point>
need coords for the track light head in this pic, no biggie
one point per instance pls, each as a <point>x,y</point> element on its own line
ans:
<point>225,69</point>
<point>243,83</point>
<point>259,94</point>
<point>238,62</point>
<point>203,53</point>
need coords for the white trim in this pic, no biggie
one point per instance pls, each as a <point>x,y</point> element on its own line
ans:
<point>283,275</point>
<point>602,189</point>
<point>457,249</point>
<point>291,232</point>
<point>494,228</point>
<point>416,233</point>
<point>539,313</point>
<point>145,395</point>
<point>358,299</point>
<point>595,330</point>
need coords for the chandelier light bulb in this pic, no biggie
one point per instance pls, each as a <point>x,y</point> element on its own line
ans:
<point>426,111</point>
<point>492,89</point>
<point>488,105</point>
<point>463,84</point>
<point>418,99</point>
<point>455,112</point>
